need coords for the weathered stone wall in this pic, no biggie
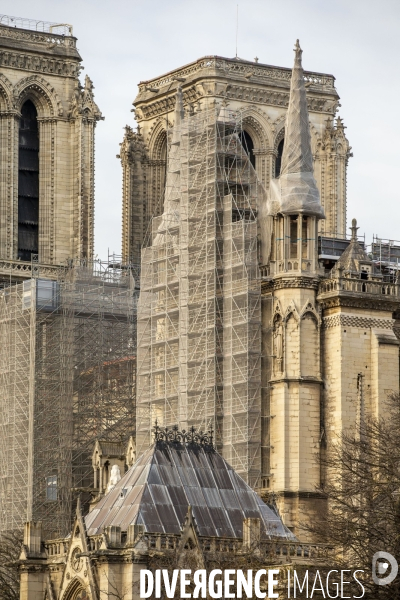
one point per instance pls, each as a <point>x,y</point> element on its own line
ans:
<point>360,365</point>
<point>44,68</point>
<point>261,94</point>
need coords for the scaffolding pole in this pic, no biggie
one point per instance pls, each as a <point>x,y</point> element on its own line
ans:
<point>67,377</point>
<point>199,313</point>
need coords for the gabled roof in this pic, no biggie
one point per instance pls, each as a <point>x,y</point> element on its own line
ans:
<point>354,253</point>
<point>171,476</point>
<point>110,449</point>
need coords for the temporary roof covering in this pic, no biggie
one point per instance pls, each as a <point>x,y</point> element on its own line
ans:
<point>157,490</point>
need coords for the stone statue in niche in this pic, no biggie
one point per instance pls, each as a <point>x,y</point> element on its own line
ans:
<point>278,346</point>
<point>115,476</point>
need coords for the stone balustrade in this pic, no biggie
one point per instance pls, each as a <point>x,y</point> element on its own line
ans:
<point>362,286</point>
<point>256,71</point>
<point>281,551</point>
<point>56,548</point>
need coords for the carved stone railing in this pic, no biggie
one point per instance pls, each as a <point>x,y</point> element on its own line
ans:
<point>273,551</point>
<point>361,286</point>
<point>25,270</point>
<point>255,71</point>
<point>192,436</point>
<point>56,548</point>
<point>299,552</point>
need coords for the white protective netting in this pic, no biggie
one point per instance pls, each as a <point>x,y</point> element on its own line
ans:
<point>295,191</point>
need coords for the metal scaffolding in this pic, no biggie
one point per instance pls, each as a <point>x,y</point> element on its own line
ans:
<point>67,377</point>
<point>199,312</point>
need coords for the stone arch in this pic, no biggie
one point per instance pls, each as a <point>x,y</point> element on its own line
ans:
<point>278,138</point>
<point>277,148</point>
<point>41,93</point>
<point>292,311</point>
<point>160,146</point>
<point>157,141</point>
<point>74,590</point>
<point>310,310</point>
<point>292,343</point>
<point>309,356</point>
<point>258,127</point>
<point>278,345</point>
<point>277,310</point>
<point>6,93</point>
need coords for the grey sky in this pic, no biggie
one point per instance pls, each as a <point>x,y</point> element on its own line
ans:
<point>357,41</point>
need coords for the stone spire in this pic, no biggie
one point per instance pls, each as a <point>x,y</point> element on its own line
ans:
<point>295,191</point>
<point>354,258</point>
<point>297,155</point>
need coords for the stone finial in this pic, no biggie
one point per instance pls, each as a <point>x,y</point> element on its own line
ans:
<point>339,123</point>
<point>179,110</point>
<point>354,229</point>
<point>89,87</point>
<point>298,50</point>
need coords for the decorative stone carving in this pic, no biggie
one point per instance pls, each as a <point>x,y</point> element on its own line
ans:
<point>115,476</point>
<point>278,346</point>
<point>355,321</point>
<point>76,561</point>
<point>309,308</point>
<point>25,62</point>
<point>42,90</point>
<point>83,103</point>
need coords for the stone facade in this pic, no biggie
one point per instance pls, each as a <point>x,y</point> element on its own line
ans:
<point>329,351</point>
<point>338,351</point>
<point>261,93</point>
<point>42,68</point>
<point>154,526</point>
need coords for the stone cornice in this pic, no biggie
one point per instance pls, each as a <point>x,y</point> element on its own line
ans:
<point>32,566</point>
<point>43,42</point>
<point>148,105</point>
<point>57,65</point>
<point>363,301</point>
<point>236,68</point>
<point>300,380</point>
<point>280,283</point>
<point>216,77</point>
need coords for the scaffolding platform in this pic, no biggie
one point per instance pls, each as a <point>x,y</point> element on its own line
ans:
<point>67,378</point>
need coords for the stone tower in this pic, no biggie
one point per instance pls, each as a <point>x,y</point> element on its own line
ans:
<point>261,93</point>
<point>291,427</point>
<point>47,158</point>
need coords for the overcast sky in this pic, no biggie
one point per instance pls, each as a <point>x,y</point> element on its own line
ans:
<point>124,42</point>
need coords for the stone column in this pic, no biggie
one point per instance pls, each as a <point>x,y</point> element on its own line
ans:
<point>9,125</point>
<point>47,131</point>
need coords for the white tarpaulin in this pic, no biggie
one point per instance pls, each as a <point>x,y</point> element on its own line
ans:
<point>295,191</point>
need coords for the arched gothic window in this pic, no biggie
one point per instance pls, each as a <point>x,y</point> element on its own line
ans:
<point>278,160</point>
<point>28,183</point>
<point>248,145</point>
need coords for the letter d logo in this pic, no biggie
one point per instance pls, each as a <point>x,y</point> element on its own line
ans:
<point>382,567</point>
